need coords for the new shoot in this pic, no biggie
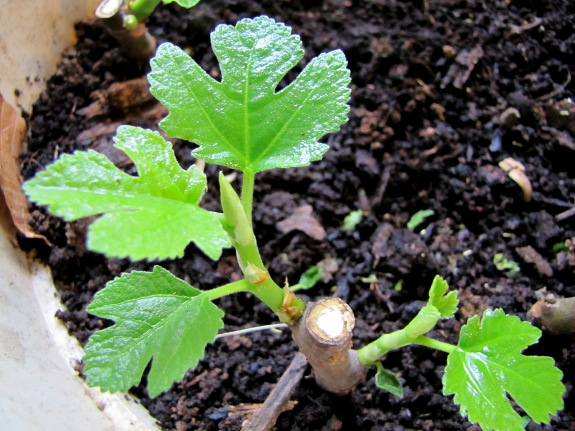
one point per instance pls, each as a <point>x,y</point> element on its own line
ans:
<point>243,123</point>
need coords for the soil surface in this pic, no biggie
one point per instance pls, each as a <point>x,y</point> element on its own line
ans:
<point>442,91</point>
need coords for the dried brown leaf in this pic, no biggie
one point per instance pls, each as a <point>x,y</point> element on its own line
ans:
<point>302,219</point>
<point>12,133</point>
<point>516,171</point>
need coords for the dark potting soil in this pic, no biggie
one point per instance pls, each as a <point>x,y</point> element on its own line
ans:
<point>442,91</point>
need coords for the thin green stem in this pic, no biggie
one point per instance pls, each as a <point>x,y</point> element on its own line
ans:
<point>267,290</point>
<point>434,344</point>
<point>142,9</point>
<point>228,289</point>
<point>375,350</point>
<point>247,197</point>
<point>238,223</point>
<point>372,352</point>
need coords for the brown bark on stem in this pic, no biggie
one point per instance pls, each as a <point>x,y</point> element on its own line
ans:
<point>323,335</point>
<point>137,43</point>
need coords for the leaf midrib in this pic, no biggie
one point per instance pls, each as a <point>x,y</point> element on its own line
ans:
<point>97,308</point>
<point>492,362</point>
<point>500,338</point>
<point>469,373</point>
<point>144,199</point>
<point>199,103</point>
<point>286,125</point>
<point>146,334</point>
<point>246,110</point>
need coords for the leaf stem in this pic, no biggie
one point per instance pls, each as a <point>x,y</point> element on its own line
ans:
<point>434,344</point>
<point>374,351</point>
<point>228,289</point>
<point>247,197</point>
<point>263,286</point>
<point>237,222</point>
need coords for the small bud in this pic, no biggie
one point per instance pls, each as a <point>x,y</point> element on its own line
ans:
<point>243,232</point>
<point>130,22</point>
<point>288,296</point>
<point>254,274</point>
<point>230,201</point>
<point>234,214</point>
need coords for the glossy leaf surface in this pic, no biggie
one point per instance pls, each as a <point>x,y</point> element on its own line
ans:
<point>154,215</point>
<point>242,122</point>
<point>487,365</point>
<point>157,317</point>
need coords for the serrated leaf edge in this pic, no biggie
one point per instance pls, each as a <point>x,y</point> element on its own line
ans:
<point>476,320</point>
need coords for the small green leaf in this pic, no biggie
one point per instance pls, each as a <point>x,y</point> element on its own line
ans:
<point>445,304</point>
<point>559,247</point>
<point>352,220</point>
<point>439,306</point>
<point>154,215</point>
<point>308,279</point>
<point>242,122</point>
<point>388,381</point>
<point>159,317</point>
<point>508,266</point>
<point>487,365</point>
<point>418,218</point>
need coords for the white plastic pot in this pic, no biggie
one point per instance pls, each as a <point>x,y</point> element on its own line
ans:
<point>39,388</point>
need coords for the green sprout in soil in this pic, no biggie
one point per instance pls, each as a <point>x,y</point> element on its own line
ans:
<point>243,123</point>
<point>351,220</point>
<point>308,279</point>
<point>560,247</point>
<point>418,218</point>
<point>508,266</point>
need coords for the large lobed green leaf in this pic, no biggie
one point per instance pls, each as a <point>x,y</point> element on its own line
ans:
<point>158,317</point>
<point>242,122</point>
<point>487,365</point>
<point>154,215</point>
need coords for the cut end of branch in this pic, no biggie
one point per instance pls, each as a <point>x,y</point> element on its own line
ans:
<point>323,335</point>
<point>331,321</point>
<point>108,8</point>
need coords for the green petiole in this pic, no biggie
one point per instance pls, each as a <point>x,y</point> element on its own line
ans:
<point>413,333</point>
<point>374,351</point>
<point>248,194</point>
<point>228,289</point>
<point>237,223</point>
<point>434,344</point>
